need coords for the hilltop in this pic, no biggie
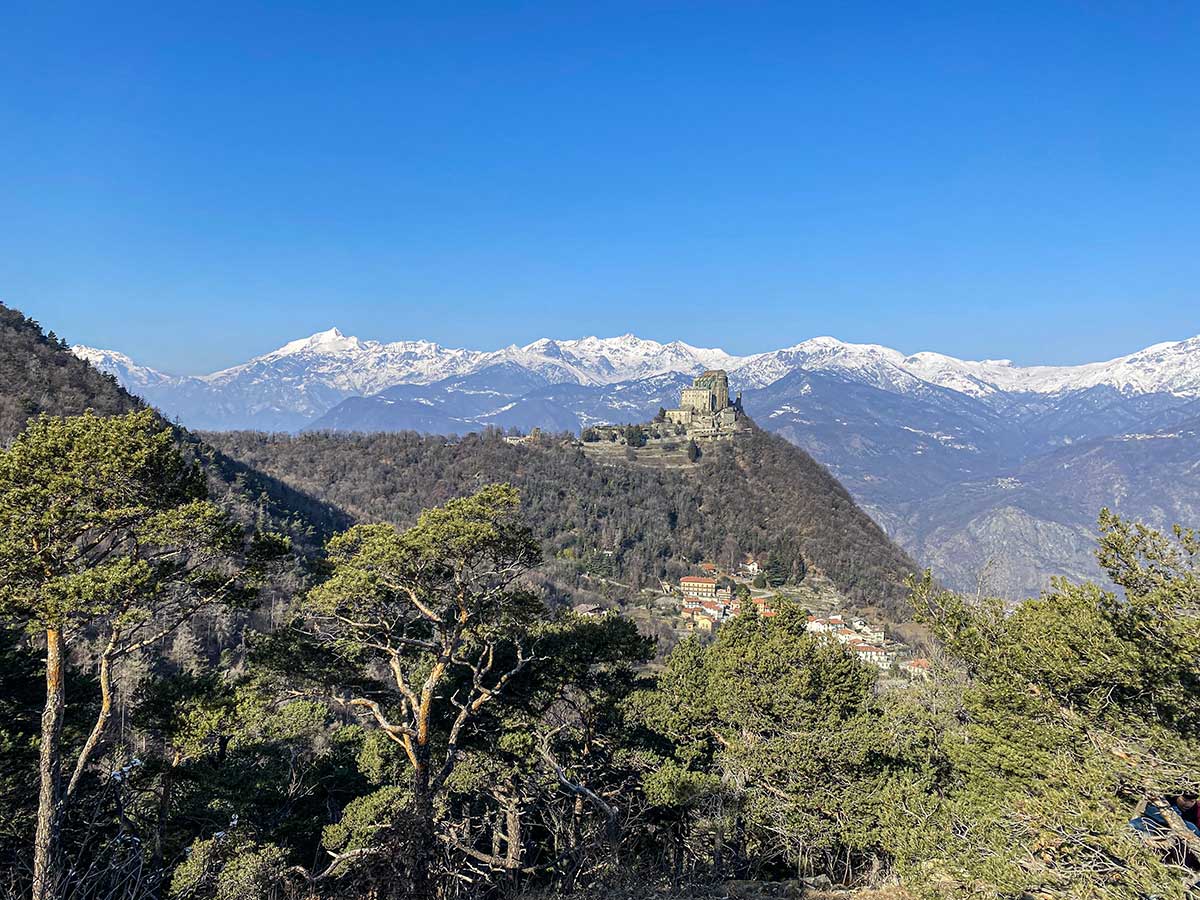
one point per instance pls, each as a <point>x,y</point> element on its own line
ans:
<point>602,519</point>
<point>598,513</point>
<point>919,439</point>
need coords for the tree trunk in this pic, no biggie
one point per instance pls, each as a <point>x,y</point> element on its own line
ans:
<point>421,848</point>
<point>512,836</point>
<point>45,847</point>
<point>101,720</point>
<point>158,860</point>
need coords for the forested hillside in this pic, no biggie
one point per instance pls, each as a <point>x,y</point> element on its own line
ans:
<point>635,524</point>
<point>207,716</point>
<point>38,374</point>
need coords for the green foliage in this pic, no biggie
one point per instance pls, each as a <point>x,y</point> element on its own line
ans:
<point>39,375</point>
<point>187,712</point>
<point>1012,773</point>
<point>781,727</point>
<point>1077,704</point>
<point>431,627</point>
<point>776,572</point>
<point>364,818</point>
<point>104,519</point>
<point>756,494</point>
<point>672,784</point>
<point>227,868</point>
<point>71,489</point>
<point>443,587</point>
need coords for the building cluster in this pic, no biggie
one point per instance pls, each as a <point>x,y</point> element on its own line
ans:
<point>917,669</point>
<point>706,604</point>
<point>864,640</point>
<point>705,410</point>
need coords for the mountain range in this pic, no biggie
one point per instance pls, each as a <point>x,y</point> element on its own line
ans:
<point>599,546</point>
<point>989,472</point>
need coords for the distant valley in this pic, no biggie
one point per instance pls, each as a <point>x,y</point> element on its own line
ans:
<point>990,473</point>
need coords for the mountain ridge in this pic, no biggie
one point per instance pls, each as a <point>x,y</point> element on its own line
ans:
<point>348,365</point>
<point>930,445</point>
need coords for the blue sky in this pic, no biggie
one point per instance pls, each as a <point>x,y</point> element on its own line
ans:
<point>194,184</point>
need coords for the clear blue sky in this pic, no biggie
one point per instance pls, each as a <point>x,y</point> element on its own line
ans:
<point>196,183</point>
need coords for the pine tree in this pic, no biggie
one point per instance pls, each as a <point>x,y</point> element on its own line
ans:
<point>104,527</point>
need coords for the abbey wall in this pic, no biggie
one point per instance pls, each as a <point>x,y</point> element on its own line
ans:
<point>704,408</point>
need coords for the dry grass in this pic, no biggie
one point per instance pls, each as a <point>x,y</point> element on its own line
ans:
<point>625,887</point>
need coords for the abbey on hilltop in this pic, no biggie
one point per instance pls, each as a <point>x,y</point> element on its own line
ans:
<point>704,408</point>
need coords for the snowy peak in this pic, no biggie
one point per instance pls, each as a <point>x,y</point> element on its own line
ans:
<point>124,369</point>
<point>873,364</point>
<point>304,378</point>
<point>331,341</point>
<point>630,357</point>
<point>355,365</point>
<point>1171,368</point>
<point>543,347</point>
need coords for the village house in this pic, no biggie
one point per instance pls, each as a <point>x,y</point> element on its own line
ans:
<point>844,631</point>
<point>698,586</point>
<point>703,588</point>
<point>858,636</point>
<point>704,614</point>
<point>749,566</point>
<point>825,626</point>
<point>873,633</point>
<point>873,655</point>
<point>916,668</point>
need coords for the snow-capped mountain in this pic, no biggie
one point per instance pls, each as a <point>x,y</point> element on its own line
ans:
<point>124,369</point>
<point>305,378</point>
<point>1172,368</point>
<point>973,466</point>
<point>366,367</point>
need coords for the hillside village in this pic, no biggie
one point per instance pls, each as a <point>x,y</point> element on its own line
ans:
<point>711,599</point>
<point>700,603</point>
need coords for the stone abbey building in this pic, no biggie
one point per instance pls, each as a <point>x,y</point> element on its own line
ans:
<point>704,408</point>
